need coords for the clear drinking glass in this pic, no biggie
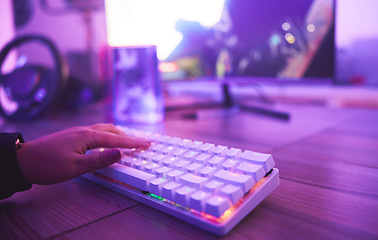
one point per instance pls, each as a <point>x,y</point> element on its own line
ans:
<point>137,88</point>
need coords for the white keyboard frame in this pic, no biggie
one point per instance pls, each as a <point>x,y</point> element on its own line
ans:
<point>250,200</point>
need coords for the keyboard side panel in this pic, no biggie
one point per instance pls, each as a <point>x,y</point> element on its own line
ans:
<point>256,195</point>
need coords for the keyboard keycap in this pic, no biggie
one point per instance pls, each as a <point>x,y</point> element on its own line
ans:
<point>230,164</point>
<point>232,192</point>
<point>193,180</point>
<point>128,175</point>
<point>266,160</point>
<point>162,172</point>
<point>174,175</point>
<point>146,155</point>
<point>202,158</point>
<point>245,182</point>
<point>216,161</point>
<point>183,143</point>
<point>233,153</point>
<point>157,158</point>
<point>256,171</point>
<point>156,185</point>
<point>213,186</point>
<point>167,150</point>
<point>141,164</point>
<point>217,205</point>
<point>183,194</point>
<point>207,171</point>
<point>179,152</point>
<point>220,150</point>
<point>168,191</point>
<point>198,199</point>
<point>151,167</point>
<point>157,147</point>
<point>190,155</point>
<point>129,161</point>
<point>181,164</point>
<point>169,161</point>
<point>207,148</point>
<point>194,168</point>
<point>173,141</point>
<point>195,145</point>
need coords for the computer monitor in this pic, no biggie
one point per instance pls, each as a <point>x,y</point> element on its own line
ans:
<point>270,40</point>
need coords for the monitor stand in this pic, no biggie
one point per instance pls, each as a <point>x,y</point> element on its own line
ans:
<point>228,103</point>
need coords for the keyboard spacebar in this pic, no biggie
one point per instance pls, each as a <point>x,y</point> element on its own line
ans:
<point>128,175</point>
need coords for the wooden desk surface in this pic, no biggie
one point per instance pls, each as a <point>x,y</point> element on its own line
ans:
<point>328,162</point>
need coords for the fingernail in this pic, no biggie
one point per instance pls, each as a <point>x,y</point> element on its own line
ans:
<point>143,141</point>
<point>114,154</point>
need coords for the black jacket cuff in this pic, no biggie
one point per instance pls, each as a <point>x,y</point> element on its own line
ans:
<point>11,179</point>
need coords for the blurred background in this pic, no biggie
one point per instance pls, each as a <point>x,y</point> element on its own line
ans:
<point>78,26</point>
<point>79,30</point>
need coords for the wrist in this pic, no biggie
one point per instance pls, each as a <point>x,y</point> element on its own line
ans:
<point>23,163</point>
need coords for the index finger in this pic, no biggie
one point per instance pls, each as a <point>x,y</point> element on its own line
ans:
<point>111,140</point>
<point>107,127</point>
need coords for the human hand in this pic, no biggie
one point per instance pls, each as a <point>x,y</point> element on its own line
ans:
<point>61,156</point>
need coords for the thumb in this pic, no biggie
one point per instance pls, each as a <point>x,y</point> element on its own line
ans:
<point>97,160</point>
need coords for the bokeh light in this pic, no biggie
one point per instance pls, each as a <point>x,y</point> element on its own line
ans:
<point>311,27</point>
<point>286,26</point>
<point>290,38</point>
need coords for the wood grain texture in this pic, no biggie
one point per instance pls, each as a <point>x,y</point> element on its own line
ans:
<point>285,214</point>
<point>140,222</point>
<point>328,162</point>
<point>45,211</point>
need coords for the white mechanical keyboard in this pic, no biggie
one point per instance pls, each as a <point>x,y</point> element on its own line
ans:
<point>211,187</point>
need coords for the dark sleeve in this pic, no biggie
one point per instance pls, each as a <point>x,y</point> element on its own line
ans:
<point>11,179</point>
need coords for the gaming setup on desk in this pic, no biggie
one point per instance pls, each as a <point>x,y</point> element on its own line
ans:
<point>211,186</point>
<point>224,42</point>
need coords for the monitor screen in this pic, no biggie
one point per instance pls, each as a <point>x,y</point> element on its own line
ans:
<point>216,39</point>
